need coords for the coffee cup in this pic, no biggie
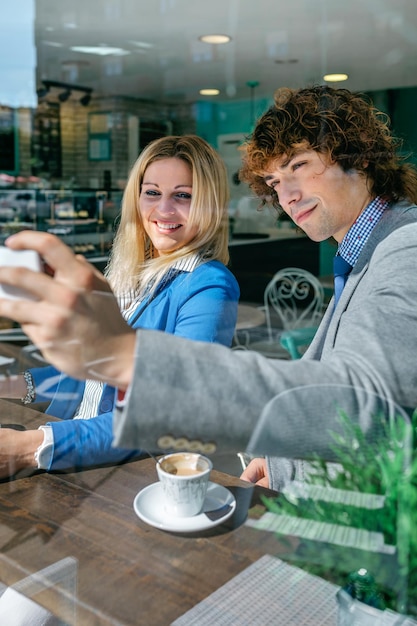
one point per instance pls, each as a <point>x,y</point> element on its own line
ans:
<point>184,478</point>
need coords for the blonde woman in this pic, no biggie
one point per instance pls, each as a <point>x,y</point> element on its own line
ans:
<point>168,269</point>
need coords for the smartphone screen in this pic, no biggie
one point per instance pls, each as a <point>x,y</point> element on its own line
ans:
<point>18,258</point>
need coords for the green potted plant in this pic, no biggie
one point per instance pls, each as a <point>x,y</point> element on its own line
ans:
<point>374,485</point>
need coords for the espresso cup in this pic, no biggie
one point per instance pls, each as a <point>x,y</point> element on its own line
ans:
<point>184,478</point>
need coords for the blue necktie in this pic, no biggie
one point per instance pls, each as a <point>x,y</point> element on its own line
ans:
<point>341,269</point>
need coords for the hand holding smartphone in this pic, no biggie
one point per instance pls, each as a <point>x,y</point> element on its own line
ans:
<point>18,258</point>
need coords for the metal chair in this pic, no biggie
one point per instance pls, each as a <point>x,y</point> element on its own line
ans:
<point>293,300</point>
<point>296,341</point>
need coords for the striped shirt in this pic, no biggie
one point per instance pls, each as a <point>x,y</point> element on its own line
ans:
<point>128,304</point>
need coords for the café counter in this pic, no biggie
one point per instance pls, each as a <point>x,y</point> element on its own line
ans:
<point>256,257</point>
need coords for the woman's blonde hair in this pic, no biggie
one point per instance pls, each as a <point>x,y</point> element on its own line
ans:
<point>132,263</point>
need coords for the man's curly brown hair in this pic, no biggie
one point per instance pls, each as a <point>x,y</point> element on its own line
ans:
<point>338,123</point>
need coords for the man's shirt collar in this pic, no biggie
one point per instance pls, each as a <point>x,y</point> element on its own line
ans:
<point>353,242</point>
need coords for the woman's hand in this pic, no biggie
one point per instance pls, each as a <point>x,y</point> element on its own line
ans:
<point>256,472</point>
<point>75,319</point>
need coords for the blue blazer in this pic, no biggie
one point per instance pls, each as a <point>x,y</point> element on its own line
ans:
<point>199,305</point>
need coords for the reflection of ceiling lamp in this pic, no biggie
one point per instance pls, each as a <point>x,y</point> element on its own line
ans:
<point>100,50</point>
<point>66,90</point>
<point>145,45</point>
<point>284,61</point>
<point>335,78</point>
<point>215,39</point>
<point>74,63</point>
<point>209,92</point>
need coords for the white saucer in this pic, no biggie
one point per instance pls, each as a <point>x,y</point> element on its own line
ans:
<point>148,505</point>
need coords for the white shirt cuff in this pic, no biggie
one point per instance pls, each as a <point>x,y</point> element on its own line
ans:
<point>44,454</point>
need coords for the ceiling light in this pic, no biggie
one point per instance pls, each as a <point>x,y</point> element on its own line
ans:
<point>335,78</point>
<point>100,50</point>
<point>64,95</point>
<point>54,44</point>
<point>85,100</point>
<point>209,92</point>
<point>65,91</point>
<point>216,39</point>
<point>42,92</point>
<point>142,44</point>
<point>75,63</point>
<point>283,61</point>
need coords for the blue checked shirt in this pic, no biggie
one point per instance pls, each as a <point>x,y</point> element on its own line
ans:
<point>353,242</point>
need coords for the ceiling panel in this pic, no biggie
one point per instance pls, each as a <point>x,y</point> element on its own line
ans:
<point>275,43</point>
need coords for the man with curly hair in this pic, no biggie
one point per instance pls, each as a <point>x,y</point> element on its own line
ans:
<point>327,158</point>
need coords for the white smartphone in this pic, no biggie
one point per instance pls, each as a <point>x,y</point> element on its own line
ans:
<point>18,258</point>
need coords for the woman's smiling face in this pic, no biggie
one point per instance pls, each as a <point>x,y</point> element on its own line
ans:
<point>165,202</point>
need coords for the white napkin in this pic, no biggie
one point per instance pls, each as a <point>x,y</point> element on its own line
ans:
<point>4,360</point>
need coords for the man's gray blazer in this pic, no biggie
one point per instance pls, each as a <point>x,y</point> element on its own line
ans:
<point>199,394</point>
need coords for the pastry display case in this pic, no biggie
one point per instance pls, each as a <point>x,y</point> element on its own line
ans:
<point>84,220</point>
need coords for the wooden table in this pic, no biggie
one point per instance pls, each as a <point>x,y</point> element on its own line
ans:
<point>249,316</point>
<point>128,571</point>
